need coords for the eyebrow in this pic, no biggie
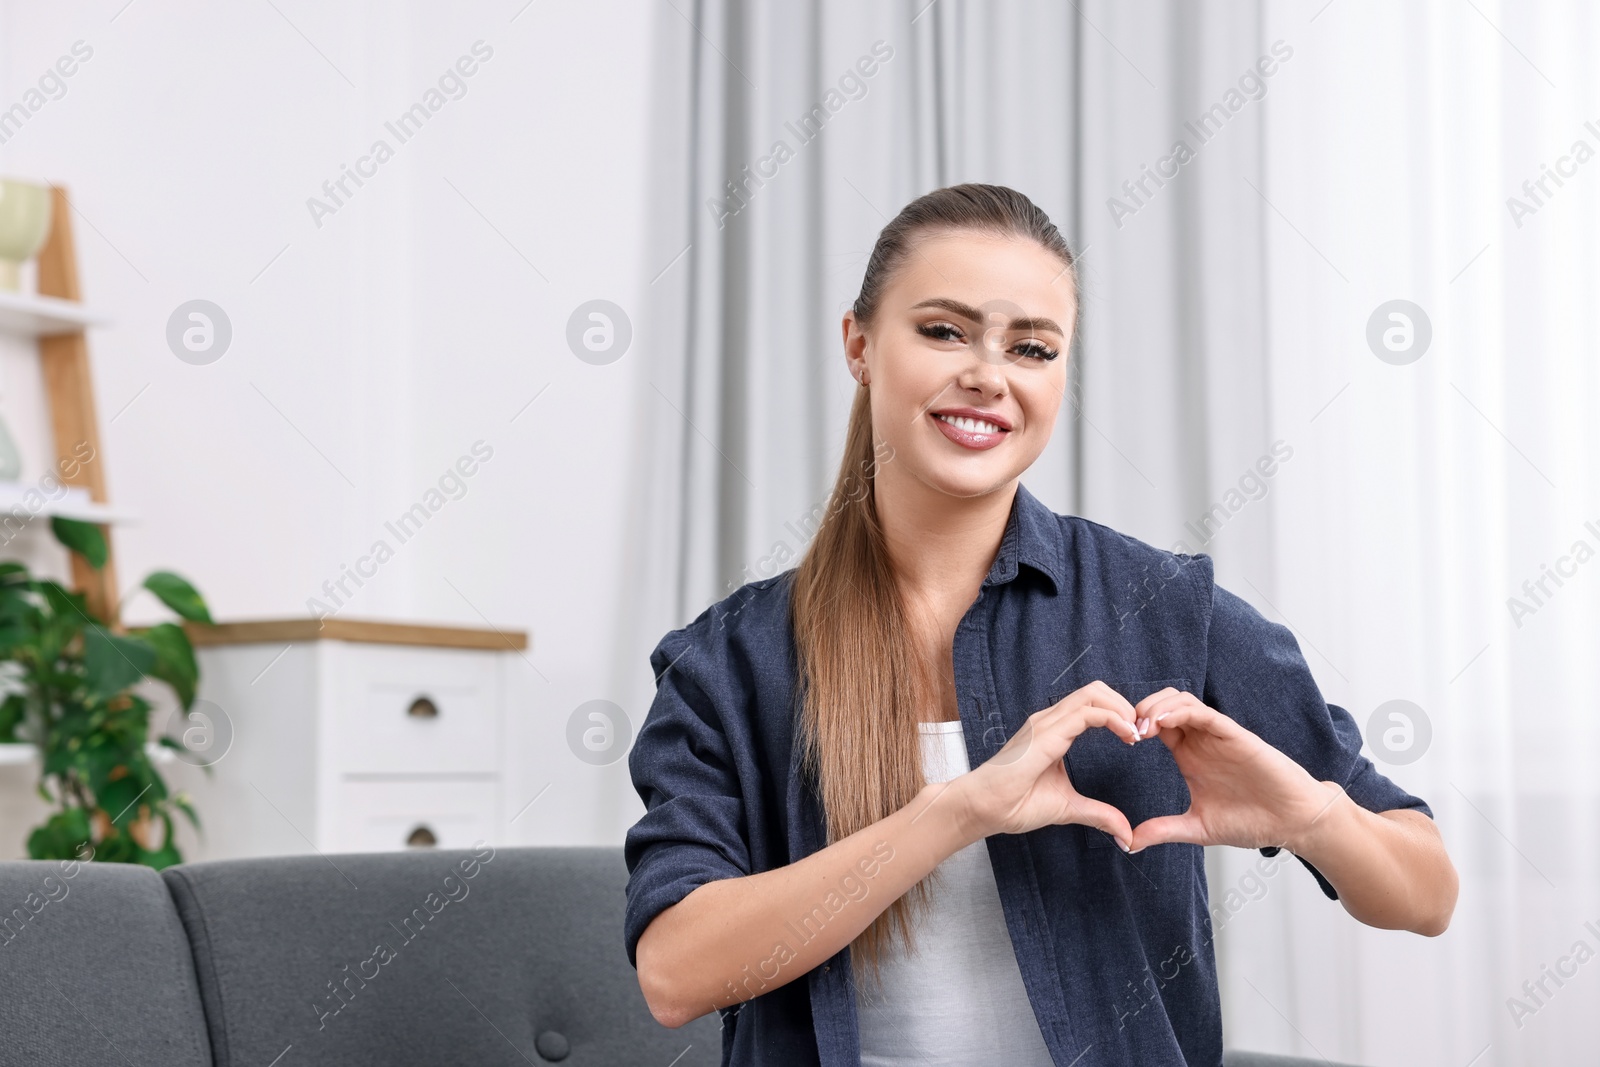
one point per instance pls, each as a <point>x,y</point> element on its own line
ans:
<point>967,311</point>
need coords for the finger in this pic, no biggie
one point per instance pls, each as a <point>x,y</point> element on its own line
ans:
<point>1047,734</point>
<point>1188,713</point>
<point>1064,726</point>
<point>1165,701</point>
<point>1087,708</point>
<point>1186,710</point>
<point>1142,710</point>
<point>1185,828</point>
<point>1096,692</point>
<point>1143,707</point>
<point>1166,722</point>
<point>1099,694</point>
<point>1119,720</point>
<point>1106,697</point>
<point>1161,704</point>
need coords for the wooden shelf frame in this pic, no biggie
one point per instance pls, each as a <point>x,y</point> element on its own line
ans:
<point>69,384</point>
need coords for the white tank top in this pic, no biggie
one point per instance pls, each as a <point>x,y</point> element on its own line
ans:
<point>959,998</point>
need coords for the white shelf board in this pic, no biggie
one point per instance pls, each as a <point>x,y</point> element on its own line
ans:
<point>75,503</point>
<point>30,315</point>
<point>22,754</point>
<point>17,754</point>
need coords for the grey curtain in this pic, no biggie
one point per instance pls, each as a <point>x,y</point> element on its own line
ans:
<point>779,159</point>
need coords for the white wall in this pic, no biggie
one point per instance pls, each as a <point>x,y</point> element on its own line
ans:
<point>375,348</point>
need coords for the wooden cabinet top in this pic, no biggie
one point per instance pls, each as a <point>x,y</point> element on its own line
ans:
<point>263,631</point>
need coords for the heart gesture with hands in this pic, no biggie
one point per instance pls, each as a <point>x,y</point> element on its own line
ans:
<point>1243,792</point>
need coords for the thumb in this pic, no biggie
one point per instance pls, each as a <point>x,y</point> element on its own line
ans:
<point>1185,828</point>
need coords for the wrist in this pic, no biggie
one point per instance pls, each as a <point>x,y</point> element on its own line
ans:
<point>1332,810</point>
<point>951,805</point>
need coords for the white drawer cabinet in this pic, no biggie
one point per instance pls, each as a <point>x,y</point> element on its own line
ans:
<point>418,710</point>
<point>354,737</point>
<point>378,814</point>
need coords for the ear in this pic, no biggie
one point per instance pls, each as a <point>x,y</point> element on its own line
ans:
<point>855,344</point>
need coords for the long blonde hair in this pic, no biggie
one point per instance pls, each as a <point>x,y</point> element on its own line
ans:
<point>864,682</point>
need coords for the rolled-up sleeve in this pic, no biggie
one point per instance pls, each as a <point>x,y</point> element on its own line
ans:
<point>684,769</point>
<point>1256,675</point>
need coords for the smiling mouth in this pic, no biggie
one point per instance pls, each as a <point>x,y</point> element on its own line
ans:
<point>970,433</point>
<point>961,422</point>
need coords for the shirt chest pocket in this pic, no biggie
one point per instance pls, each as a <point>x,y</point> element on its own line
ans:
<point>1141,780</point>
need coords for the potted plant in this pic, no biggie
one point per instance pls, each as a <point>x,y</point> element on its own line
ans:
<point>70,679</point>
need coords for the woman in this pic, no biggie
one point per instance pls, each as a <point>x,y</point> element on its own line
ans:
<point>896,771</point>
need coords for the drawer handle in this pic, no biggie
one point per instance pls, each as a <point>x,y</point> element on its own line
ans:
<point>422,837</point>
<point>423,708</point>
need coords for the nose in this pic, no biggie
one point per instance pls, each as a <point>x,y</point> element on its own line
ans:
<point>984,374</point>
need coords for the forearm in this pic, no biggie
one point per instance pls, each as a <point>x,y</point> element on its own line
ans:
<point>735,938</point>
<point>1390,869</point>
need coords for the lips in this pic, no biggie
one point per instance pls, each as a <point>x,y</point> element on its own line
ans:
<point>993,418</point>
<point>970,428</point>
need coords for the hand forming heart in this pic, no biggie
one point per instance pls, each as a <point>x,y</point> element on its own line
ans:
<point>1243,791</point>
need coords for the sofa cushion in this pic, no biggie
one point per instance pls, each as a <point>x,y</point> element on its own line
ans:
<point>433,956</point>
<point>1237,1058</point>
<point>95,968</point>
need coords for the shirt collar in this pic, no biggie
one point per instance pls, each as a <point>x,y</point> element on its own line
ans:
<point>1034,537</point>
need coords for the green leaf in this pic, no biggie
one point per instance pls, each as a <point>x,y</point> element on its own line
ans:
<point>61,837</point>
<point>12,714</point>
<point>13,635</point>
<point>120,847</point>
<point>165,856</point>
<point>84,538</point>
<point>100,759</point>
<point>15,579</point>
<point>121,799</point>
<point>14,597</point>
<point>181,802</point>
<point>61,600</point>
<point>65,614</point>
<point>58,758</point>
<point>175,663</point>
<point>179,595</point>
<point>113,661</point>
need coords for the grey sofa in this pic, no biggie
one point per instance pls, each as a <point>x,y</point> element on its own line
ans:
<point>508,956</point>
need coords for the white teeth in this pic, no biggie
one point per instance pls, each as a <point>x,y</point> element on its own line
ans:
<point>970,425</point>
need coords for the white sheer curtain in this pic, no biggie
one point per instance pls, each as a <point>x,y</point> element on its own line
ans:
<point>1366,159</point>
<point>1422,496</point>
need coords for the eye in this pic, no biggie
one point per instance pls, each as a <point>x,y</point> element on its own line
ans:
<point>1036,350</point>
<point>939,331</point>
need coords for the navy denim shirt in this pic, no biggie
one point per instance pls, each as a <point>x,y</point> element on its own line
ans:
<point>1115,949</point>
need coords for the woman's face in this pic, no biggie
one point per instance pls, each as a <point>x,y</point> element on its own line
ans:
<point>966,359</point>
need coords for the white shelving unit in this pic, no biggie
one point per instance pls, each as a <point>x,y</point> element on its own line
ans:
<point>22,754</point>
<point>29,315</point>
<point>17,754</point>
<point>74,503</point>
